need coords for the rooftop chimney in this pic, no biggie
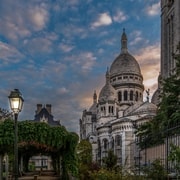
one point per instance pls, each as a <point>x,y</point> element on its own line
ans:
<point>48,107</point>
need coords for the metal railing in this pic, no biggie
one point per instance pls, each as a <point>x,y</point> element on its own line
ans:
<point>148,154</point>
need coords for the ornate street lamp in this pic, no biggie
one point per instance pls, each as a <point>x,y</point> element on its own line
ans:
<point>16,102</point>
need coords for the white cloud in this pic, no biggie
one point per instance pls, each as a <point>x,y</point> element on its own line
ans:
<point>9,54</point>
<point>136,40</point>
<point>149,55</point>
<point>39,17</point>
<point>104,19</point>
<point>153,9</point>
<point>81,63</point>
<point>119,17</point>
<point>65,48</point>
<point>62,90</point>
<point>19,20</point>
<point>38,45</point>
<point>13,26</point>
<point>137,37</point>
<point>149,60</point>
<point>73,2</point>
<point>89,61</point>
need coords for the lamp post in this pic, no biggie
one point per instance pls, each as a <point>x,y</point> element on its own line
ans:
<point>16,102</point>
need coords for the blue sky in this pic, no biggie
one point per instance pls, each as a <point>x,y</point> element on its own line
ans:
<point>57,51</point>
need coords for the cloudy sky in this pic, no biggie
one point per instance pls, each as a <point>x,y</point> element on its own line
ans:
<point>57,51</point>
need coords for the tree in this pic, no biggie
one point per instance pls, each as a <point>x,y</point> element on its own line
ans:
<point>168,113</point>
<point>4,114</point>
<point>110,161</point>
<point>169,109</point>
<point>84,152</point>
<point>38,137</point>
<point>155,171</point>
<point>174,157</point>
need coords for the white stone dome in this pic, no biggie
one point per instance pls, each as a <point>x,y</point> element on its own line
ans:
<point>146,107</point>
<point>107,93</point>
<point>125,64</point>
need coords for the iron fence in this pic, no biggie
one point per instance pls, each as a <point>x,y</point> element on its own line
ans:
<point>161,151</point>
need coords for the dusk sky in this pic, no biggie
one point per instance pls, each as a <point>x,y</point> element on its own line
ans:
<point>57,51</point>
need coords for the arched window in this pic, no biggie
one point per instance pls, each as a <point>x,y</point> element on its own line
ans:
<point>111,110</point>
<point>119,96</point>
<point>140,95</point>
<point>103,110</point>
<point>105,143</point>
<point>99,148</point>
<point>118,140</point>
<point>125,95</point>
<point>131,95</point>
<point>136,96</point>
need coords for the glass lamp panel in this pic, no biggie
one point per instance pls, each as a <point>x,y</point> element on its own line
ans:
<point>16,101</point>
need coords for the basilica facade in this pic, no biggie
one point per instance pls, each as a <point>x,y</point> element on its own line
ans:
<point>117,111</point>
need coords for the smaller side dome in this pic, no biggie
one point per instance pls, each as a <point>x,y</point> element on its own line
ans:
<point>146,107</point>
<point>107,93</point>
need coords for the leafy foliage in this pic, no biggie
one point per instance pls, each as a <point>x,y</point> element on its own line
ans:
<point>155,171</point>
<point>168,113</point>
<point>38,137</point>
<point>174,157</point>
<point>110,161</point>
<point>84,151</point>
<point>104,174</point>
<point>4,114</point>
<point>170,104</point>
<point>6,136</point>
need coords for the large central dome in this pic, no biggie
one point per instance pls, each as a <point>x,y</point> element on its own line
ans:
<point>124,63</point>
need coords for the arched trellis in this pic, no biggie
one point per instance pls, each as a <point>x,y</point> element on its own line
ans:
<point>38,137</point>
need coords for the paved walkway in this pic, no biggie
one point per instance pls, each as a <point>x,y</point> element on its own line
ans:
<point>44,175</point>
<point>38,178</point>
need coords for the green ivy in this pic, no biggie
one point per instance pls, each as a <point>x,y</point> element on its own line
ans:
<point>38,137</point>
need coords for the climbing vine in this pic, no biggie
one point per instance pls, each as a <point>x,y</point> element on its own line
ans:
<point>38,137</point>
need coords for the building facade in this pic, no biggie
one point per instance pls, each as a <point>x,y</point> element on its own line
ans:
<point>170,35</point>
<point>43,114</point>
<point>170,41</point>
<point>110,122</point>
